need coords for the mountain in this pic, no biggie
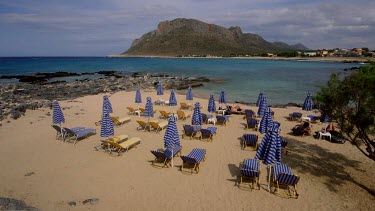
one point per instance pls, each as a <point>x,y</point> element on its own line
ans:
<point>182,37</point>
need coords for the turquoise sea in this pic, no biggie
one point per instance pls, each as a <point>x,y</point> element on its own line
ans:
<point>282,81</point>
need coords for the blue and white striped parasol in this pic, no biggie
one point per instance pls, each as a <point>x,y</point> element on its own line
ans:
<point>107,127</point>
<point>160,89</point>
<point>266,120</point>
<point>196,119</point>
<point>138,96</point>
<point>149,108</point>
<point>107,106</point>
<point>223,98</point>
<point>269,150</point>
<point>308,104</point>
<point>189,94</point>
<point>211,104</point>
<point>58,116</point>
<point>171,137</point>
<point>172,99</point>
<point>260,98</point>
<point>262,107</point>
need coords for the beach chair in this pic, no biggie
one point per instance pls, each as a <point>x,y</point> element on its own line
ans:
<point>185,106</point>
<point>182,115</point>
<point>204,118</point>
<point>222,120</point>
<point>193,160</point>
<point>252,123</point>
<point>295,116</point>
<point>164,114</point>
<point>105,145</point>
<point>142,125</point>
<point>158,126</point>
<point>77,134</point>
<point>250,171</point>
<point>283,177</point>
<point>208,133</point>
<point>120,121</point>
<point>250,140</point>
<point>249,114</point>
<point>190,131</point>
<point>59,130</point>
<point>120,148</point>
<point>164,157</point>
<point>133,111</point>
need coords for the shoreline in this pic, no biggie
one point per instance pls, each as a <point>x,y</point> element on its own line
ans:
<point>316,59</point>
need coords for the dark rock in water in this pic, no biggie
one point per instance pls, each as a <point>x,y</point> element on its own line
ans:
<point>92,201</point>
<point>72,203</point>
<point>14,204</point>
<point>33,79</point>
<point>29,174</point>
<point>107,73</point>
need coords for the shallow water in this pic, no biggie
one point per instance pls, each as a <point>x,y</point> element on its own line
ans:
<point>282,81</point>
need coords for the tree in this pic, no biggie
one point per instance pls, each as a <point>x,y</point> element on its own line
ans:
<point>350,100</point>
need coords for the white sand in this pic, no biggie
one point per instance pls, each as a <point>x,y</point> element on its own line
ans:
<point>333,176</point>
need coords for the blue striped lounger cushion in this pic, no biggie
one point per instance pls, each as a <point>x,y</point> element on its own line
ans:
<point>197,154</point>
<point>251,139</point>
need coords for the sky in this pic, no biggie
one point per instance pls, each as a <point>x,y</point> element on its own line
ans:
<point>103,27</point>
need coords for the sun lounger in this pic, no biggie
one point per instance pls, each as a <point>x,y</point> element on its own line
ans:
<point>164,114</point>
<point>190,131</point>
<point>165,157</point>
<point>59,130</point>
<point>222,120</point>
<point>124,146</point>
<point>133,111</point>
<point>283,177</point>
<point>249,114</point>
<point>185,106</point>
<point>250,171</point>
<point>250,140</point>
<point>118,139</point>
<point>193,160</point>
<point>157,127</point>
<point>208,133</point>
<point>252,123</point>
<point>142,125</point>
<point>78,134</point>
<point>120,121</point>
<point>295,116</point>
<point>205,117</point>
<point>182,115</point>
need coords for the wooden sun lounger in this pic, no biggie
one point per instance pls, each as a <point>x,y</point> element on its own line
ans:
<point>120,148</point>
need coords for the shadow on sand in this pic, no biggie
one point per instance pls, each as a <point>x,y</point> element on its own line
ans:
<point>315,160</point>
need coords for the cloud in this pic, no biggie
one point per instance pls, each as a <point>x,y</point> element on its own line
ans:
<point>113,24</point>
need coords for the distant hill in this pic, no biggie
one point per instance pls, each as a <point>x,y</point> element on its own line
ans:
<point>182,37</point>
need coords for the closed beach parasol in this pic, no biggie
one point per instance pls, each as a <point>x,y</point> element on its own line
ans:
<point>196,119</point>
<point>107,104</point>
<point>149,109</point>
<point>138,97</point>
<point>262,107</point>
<point>160,89</point>
<point>172,99</point>
<point>269,150</point>
<point>107,127</point>
<point>266,120</point>
<point>171,137</point>
<point>222,98</point>
<point>58,116</point>
<point>308,104</point>
<point>261,96</point>
<point>189,94</point>
<point>211,104</point>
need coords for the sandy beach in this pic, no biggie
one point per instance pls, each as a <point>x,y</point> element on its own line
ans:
<point>333,176</point>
